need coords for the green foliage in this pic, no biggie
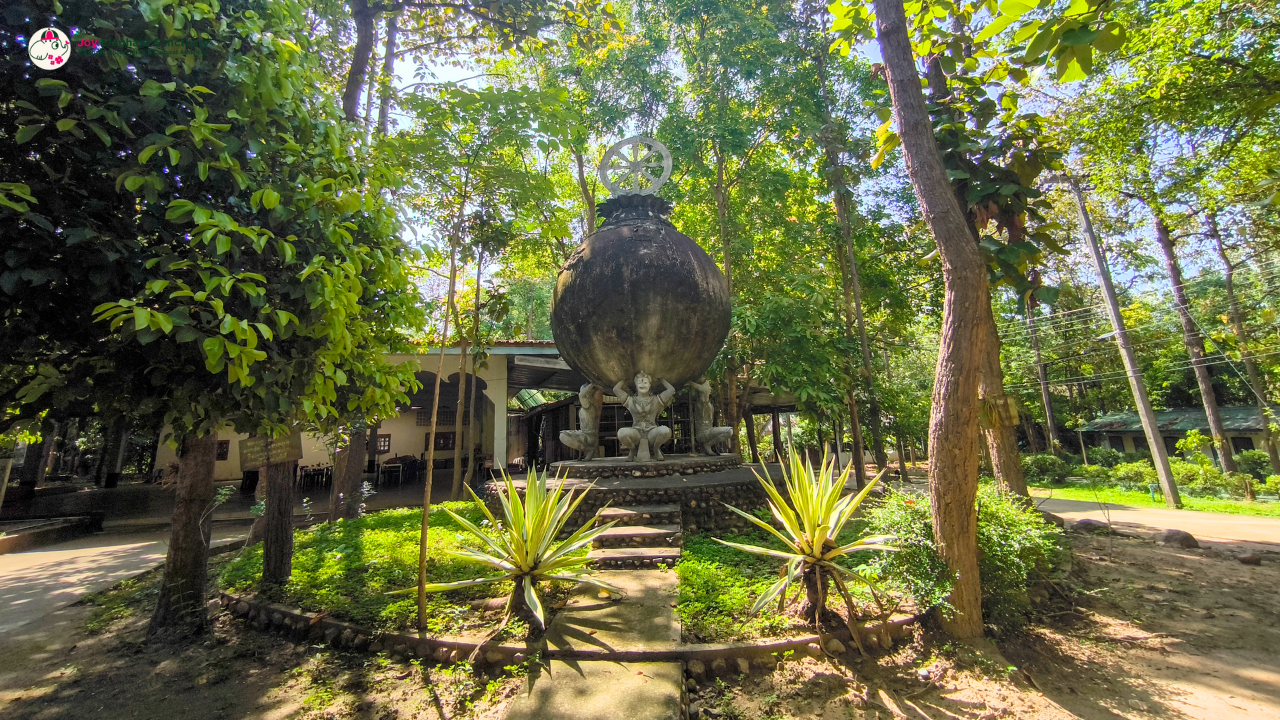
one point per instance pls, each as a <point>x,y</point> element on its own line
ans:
<point>1272,485</point>
<point>1044,467</point>
<point>235,260</point>
<point>1138,474</point>
<point>348,567</point>
<point>810,524</point>
<point>1106,457</point>
<point>522,546</point>
<point>916,569</point>
<point>1017,549</point>
<point>1192,443</point>
<point>719,585</point>
<point>1255,463</point>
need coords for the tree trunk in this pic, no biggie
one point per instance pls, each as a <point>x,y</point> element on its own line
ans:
<point>1030,431</point>
<point>721,193</point>
<point>751,437</point>
<point>364,18</point>
<point>953,427</point>
<point>1001,412</point>
<point>1051,428</point>
<point>459,433</point>
<point>370,86</point>
<point>588,197</point>
<point>277,536</point>
<point>37,457</point>
<point>1195,346</point>
<point>180,608</point>
<point>1237,327</point>
<point>851,286</point>
<point>817,588</point>
<point>777,436</point>
<point>473,437</point>
<point>389,73</point>
<point>348,471</point>
<point>855,432</point>
<point>431,441</point>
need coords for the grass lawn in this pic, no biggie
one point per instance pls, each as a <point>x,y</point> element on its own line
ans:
<point>1071,491</point>
<point>349,567</point>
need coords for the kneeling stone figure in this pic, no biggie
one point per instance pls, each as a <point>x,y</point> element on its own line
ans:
<point>709,437</point>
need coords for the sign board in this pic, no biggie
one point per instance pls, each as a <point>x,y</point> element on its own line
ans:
<point>258,452</point>
<point>540,362</point>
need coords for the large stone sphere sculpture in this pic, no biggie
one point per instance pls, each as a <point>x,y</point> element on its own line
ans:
<point>638,295</point>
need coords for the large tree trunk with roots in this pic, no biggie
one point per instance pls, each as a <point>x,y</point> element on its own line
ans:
<point>1194,342</point>
<point>953,427</point>
<point>1000,415</point>
<point>348,472</point>
<point>180,608</point>
<point>277,535</point>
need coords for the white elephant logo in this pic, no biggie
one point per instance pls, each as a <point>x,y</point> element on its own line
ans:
<point>49,48</point>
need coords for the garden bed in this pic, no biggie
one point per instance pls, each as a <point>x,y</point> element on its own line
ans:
<point>349,568</point>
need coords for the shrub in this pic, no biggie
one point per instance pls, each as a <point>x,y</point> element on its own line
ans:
<point>1200,478</point>
<point>1138,474</point>
<point>1093,474</point>
<point>1272,485</point>
<point>1043,467</point>
<point>1254,462</point>
<point>1106,457</point>
<point>1017,549</point>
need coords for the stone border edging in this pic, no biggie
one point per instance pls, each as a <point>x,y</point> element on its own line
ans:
<point>320,627</point>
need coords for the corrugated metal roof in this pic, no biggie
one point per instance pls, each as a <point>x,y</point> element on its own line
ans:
<point>1235,418</point>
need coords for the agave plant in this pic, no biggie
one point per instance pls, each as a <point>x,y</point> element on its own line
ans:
<point>522,545</point>
<point>810,524</point>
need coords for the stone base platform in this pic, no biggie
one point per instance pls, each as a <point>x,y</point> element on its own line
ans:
<point>618,467</point>
<point>699,499</point>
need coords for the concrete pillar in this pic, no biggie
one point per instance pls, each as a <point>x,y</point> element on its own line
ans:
<point>497,394</point>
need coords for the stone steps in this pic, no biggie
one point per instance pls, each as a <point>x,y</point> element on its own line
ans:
<point>642,536</point>
<point>642,515</point>
<point>634,557</point>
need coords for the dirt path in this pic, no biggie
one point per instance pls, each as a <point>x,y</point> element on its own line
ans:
<point>1155,632</point>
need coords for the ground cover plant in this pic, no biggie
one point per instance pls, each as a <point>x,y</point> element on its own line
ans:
<point>1018,553</point>
<point>349,567</point>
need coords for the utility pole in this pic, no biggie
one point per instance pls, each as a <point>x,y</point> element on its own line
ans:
<point>1054,445</point>
<point>1159,455</point>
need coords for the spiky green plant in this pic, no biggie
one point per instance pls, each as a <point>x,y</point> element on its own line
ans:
<point>810,524</point>
<point>522,545</point>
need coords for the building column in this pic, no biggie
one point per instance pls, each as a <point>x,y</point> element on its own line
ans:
<point>497,394</point>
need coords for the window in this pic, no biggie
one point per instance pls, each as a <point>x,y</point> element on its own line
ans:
<point>384,444</point>
<point>224,450</point>
<point>446,418</point>
<point>1140,445</point>
<point>1240,444</point>
<point>1170,445</point>
<point>444,440</point>
<point>1116,442</point>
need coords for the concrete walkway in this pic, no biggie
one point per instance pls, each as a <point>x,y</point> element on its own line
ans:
<point>593,690</point>
<point>37,583</point>
<point>1244,531</point>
